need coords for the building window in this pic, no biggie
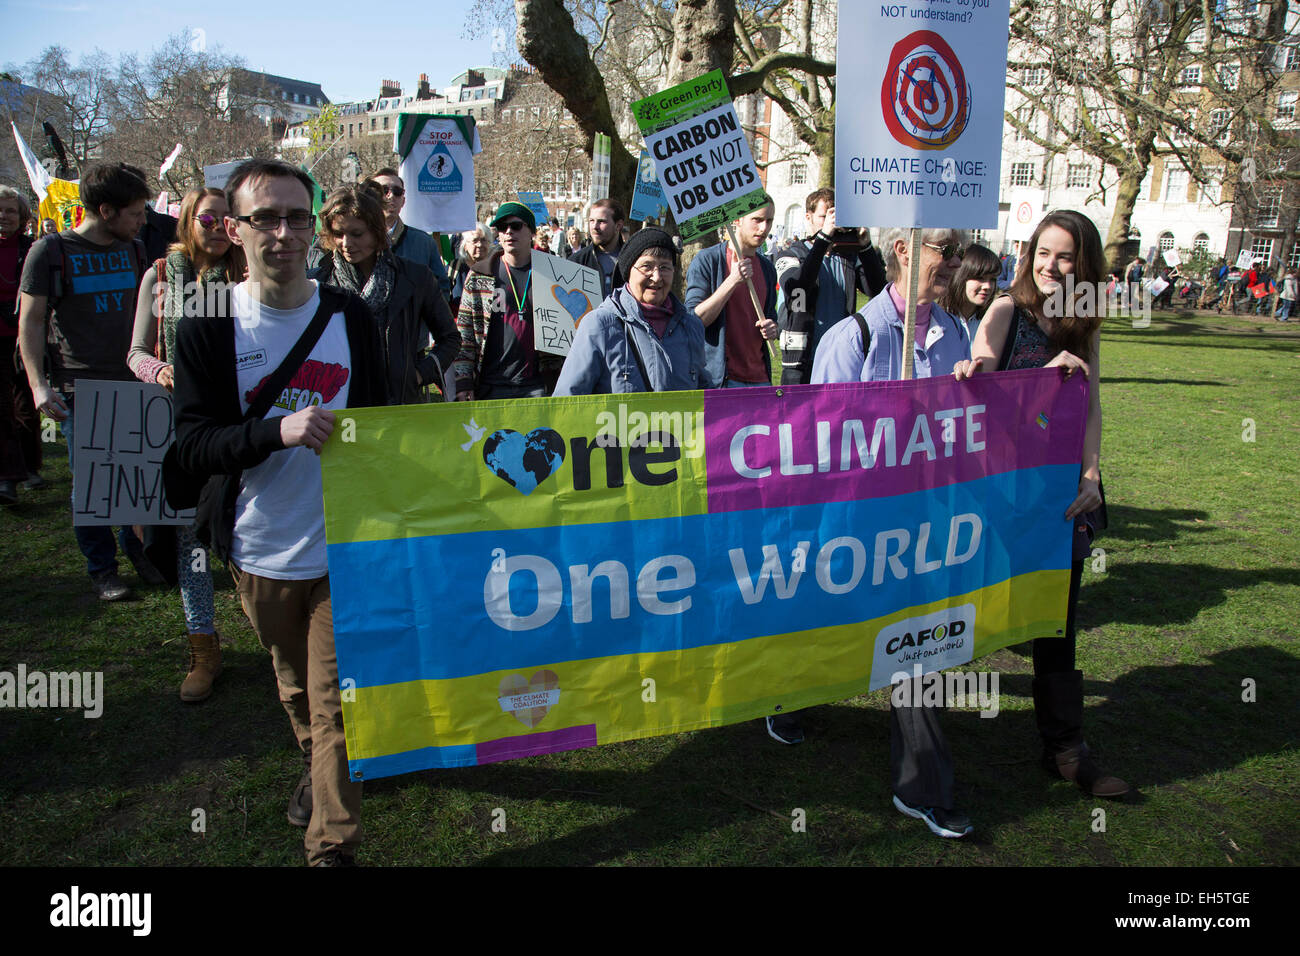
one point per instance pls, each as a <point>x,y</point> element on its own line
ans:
<point>1293,260</point>
<point>1261,250</point>
<point>1079,176</point>
<point>372,122</point>
<point>577,183</point>
<point>1270,206</point>
<point>1166,241</point>
<point>1024,122</point>
<point>1286,104</point>
<point>1291,63</point>
<point>979,236</point>
<point>385,122</point>
<point>1221,125</point>
<point>1022,174</point>
<point>537,112</point>
<point>1210,186</point>
<point>1229,75</point>
<point>1175,184</point>
<point>478,94</point>
<point>1201,243</point>
<point>1035,76</point>
<point>1191,75</point>
<point>798,174</point>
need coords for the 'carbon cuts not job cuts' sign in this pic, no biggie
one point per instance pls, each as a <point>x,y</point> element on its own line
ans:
<point>700,154</point>
<point>924,148</point>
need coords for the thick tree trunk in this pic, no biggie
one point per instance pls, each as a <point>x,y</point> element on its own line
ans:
<point>704,39</point>
<point>1126,196</point>
<point>548,40</point>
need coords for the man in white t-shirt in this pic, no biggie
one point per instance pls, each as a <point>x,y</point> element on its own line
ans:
<point>270,529</point>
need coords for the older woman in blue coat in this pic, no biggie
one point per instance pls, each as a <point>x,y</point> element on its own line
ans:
<point>641,338</point>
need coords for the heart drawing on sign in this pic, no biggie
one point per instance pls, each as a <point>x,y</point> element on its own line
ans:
<point>524,461</point>
<point>529,700</point>
<point>572,301</point>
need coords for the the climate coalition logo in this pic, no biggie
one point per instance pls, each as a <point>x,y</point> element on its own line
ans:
<point>924,97</point>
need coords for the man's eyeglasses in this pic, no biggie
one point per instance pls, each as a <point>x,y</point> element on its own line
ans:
<point>209,222</point>
<point>299,219</point>
<point>947,250</point>
<point>512,225</point>
<point>391,190</point>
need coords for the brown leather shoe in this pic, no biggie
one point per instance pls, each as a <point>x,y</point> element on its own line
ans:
<point>299,813</point>
<point>1076,766</point>
<point>205,667</point>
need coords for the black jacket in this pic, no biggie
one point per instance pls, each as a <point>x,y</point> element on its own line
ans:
<point>416,310</point>
<point>212,437</point>
<point>586,256</point>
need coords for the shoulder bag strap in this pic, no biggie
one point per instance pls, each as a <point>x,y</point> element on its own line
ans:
<point>278,379</point>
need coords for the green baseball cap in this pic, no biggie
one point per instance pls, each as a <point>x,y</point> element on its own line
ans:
<point>509,209</point>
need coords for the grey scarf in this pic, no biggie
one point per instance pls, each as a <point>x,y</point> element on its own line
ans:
<point>377,291</point>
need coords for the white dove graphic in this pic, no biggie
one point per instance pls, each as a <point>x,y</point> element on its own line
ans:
<point>474,432</point>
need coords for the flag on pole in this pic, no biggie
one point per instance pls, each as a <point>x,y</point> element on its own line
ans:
<point>36,173</point>
<point>169,162</point>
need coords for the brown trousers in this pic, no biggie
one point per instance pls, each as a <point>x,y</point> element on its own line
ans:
<point>293,620</point>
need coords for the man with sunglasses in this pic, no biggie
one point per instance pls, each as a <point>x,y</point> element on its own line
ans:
<point>497,357</point>
<point>269,525</point>
<point>413,244</point>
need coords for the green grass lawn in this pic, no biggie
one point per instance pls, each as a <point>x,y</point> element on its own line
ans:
<point>1200,591</point>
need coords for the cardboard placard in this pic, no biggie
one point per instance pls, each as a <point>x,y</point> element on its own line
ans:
<point>563,292</point>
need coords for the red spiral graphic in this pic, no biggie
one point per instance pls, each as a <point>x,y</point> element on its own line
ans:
<point>924,96</point>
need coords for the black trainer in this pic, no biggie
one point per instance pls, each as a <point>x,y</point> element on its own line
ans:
<point>945,823</point>
<point>785,728</point>
<point>145,569</point>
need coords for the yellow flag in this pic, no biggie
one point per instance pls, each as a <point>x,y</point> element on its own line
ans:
<point>62,203</point>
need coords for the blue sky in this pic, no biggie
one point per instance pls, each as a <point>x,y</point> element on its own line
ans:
<point>348,48</point>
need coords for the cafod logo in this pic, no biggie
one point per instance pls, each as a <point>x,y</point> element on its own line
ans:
<point>924,97</point>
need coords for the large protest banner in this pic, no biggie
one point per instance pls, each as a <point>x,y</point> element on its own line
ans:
<point>563,292</point>
<point>922,147</point>
<point>604,568</point>
<point>122,431</point>
<point>700,154</point>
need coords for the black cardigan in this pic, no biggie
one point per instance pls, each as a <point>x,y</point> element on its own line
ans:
<point>212,437</point>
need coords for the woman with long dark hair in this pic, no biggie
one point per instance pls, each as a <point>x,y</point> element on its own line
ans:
<point>1026,330</point>
<point>201,257</point>
<point>974,286</point>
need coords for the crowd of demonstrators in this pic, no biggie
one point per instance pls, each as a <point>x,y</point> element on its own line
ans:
<point>1019,332</point>
<point>574,236</point>
<point>403,295</point>
<point>20,426</point>
<point>261,426</point>
<point>200,261</point>
<point>641,338</point>
<point>497,357</point>
<point>473,247</point>
<point>605,223</point>
<point>718,282</point>
<point>820,278</point>
<point>78,295</point>
<point>414,244</point>
<point>974,286</point>
<point>368,305</point>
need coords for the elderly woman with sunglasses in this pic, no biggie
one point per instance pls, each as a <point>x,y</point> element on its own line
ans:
<point>868,347</point>
<point>201,257</point>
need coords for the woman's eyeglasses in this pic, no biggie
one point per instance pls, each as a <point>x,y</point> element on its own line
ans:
<point>208,221</point>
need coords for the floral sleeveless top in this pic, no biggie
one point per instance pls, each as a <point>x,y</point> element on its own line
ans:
<point>1032,348</point>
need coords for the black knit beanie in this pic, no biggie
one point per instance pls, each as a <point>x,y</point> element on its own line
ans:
<point>642,240</point>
